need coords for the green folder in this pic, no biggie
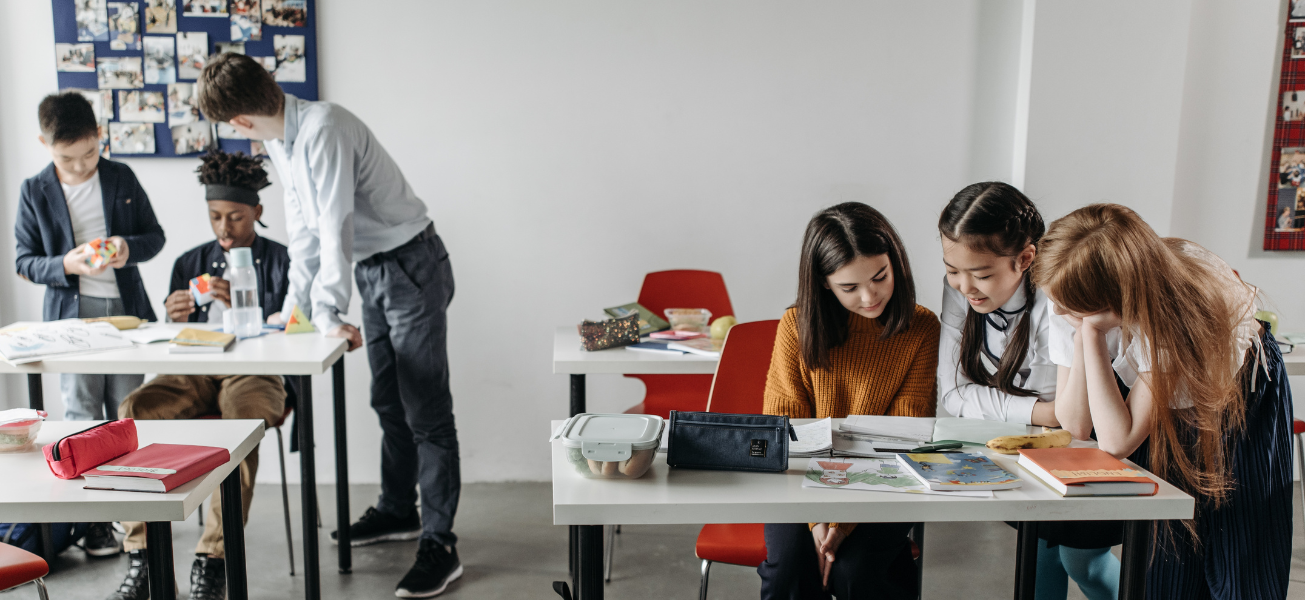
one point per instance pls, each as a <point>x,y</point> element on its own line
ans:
<point>648,322</point>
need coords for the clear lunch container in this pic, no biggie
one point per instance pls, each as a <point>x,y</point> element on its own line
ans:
<point>611,446</point>
<point>18,429</point>
<point>689,319</point>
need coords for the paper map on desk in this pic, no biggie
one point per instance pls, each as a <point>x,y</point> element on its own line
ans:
<point>872,474</point>
<point>29,342</point>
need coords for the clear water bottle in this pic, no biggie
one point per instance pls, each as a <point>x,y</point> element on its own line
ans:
<point>245,312</point>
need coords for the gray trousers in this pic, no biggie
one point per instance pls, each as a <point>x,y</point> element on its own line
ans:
<point>96,397</point>
<point>405,293</point>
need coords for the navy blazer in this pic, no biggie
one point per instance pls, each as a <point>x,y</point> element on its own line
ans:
<point>44,233</point>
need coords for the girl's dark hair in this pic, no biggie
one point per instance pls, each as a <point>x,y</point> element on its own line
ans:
<point>835,237</point>
<point>237,170</point>
<point>995,218</point>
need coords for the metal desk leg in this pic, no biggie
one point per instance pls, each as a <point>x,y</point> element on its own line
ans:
<point>577,407</point>
<point>1026,560</point>
<point>233,537</point>
<point>577,394</point>
<point>35,395</point>
<point>308,488</point>
<point>341,470</point>
<point>158,557</point>
<point>1132,573</point>
<point>590,563</point>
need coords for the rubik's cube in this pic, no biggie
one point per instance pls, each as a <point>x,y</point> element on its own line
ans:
<point>199,288</point>
<point>104,252</point>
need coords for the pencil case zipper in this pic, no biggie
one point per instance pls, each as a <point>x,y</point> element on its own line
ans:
<point>55,451</point>
<point>791,433</point>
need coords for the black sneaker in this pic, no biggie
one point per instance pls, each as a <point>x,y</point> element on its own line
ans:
<point>136,585</point>
<point>208,579</point>
<point>434,570</point>
<point>375,527</point>
<point>100,541</point>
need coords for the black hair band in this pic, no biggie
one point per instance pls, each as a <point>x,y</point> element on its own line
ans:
<point>218,191</point>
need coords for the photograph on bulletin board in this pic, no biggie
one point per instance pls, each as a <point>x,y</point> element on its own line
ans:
<point>137,61</point>
<point>1284,227</point>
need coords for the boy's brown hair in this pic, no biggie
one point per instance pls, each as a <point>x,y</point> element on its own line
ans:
<point>234,84</point>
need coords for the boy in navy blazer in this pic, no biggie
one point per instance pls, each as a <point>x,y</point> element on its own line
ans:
<point>80,197</point>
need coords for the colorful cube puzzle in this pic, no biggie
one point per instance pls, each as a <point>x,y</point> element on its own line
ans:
<point>104,252</point>
<point>200,290</point>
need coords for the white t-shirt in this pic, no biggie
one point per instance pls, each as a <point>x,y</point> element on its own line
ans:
<point>959,394</point>
<point>86,210</point>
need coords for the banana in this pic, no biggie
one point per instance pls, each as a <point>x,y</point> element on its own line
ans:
<point>121,321</point>
<point>1049,438</point>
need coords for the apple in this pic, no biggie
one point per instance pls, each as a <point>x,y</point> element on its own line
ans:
<point>721,326</point>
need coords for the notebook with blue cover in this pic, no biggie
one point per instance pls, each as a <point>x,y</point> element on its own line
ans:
<point>958,471</point>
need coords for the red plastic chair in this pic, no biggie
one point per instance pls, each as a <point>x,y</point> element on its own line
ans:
<point>19,567</point>
<point>679,289</point>
<point>663,393</point>
<point>739,387</point>
<point>1298,432</point>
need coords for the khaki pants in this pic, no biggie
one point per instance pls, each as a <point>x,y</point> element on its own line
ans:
<point>195,396</point>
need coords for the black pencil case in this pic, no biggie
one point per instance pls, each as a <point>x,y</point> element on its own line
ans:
<point>728,442</point>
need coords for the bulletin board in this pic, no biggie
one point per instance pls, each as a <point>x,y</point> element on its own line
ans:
<point>1284,227</point>
<point>116,52</point>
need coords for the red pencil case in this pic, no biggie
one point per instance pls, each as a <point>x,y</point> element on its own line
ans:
<point>80,452</point>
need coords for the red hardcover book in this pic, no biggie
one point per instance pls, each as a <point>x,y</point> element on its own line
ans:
<point>156,468</point>
<point>1086,472</point>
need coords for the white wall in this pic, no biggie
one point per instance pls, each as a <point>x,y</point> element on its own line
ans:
<point>567,148</point>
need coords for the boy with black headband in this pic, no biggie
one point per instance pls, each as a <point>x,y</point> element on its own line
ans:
<point>349,207</point>
<point>231,184</point>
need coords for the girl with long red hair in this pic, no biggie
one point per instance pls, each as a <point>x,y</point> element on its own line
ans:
<point>1209,407</point>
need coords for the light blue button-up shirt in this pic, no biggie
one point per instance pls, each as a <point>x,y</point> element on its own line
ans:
<point>345,200</point>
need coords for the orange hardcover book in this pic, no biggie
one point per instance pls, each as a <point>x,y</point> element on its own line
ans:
<point>1086,472</point>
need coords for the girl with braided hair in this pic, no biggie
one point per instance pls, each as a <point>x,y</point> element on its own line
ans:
<point>994,360</point>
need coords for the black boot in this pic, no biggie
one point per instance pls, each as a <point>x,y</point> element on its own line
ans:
<point>136,585</point>
<point>208,579</point>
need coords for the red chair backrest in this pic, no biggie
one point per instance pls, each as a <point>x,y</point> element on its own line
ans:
<point>685,289</point>
<point>740,382</point>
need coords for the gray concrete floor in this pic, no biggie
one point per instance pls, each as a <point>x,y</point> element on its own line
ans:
<point>509,549</point>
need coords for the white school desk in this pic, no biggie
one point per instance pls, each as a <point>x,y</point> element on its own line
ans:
<point>683,496</point>
<point>296,355</point>
<point>32,494</point>
<point>571,359</point>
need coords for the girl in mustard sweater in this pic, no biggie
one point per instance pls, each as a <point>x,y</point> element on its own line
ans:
<point>856,343</point>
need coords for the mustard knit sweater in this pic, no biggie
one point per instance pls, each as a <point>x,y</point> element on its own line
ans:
<point>866,376</point>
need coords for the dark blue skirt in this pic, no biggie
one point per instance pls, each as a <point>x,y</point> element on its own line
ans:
<point>1244,546</point>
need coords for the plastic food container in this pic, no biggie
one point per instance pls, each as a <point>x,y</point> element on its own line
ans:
<point>18,429</point>
<point>603,446</point>
<point>689,319</point>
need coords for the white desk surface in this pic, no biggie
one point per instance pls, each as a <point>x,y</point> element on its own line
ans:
<point>271,354</point>
<point>1295,361</point>
<point>32,494</point>
<point>568,357</point>
<point>664,496</point>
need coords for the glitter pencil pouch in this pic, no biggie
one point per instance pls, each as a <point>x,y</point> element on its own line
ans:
<point>611,333</point>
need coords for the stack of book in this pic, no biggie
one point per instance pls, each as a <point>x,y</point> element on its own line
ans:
<point>200,341</point>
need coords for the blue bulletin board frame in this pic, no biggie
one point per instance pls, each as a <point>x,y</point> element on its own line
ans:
<point>218,30</point>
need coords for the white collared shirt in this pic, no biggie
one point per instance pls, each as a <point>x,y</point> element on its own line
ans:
<point>960,395</point>
<point>345,200</point>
